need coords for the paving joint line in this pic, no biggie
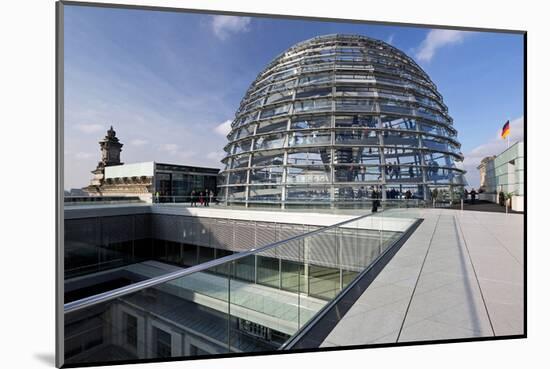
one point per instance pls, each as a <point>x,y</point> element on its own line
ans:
<point>418,278</point>
<point>475,274</point>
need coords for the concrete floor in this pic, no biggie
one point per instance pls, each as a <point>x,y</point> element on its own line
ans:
<point>460,275</point>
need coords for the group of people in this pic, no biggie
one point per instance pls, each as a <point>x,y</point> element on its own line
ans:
<point>393,170</point>
<point>203,197</point>
<point>374,192</point>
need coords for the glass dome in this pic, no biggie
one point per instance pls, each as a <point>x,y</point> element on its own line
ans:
<point>335,117</point>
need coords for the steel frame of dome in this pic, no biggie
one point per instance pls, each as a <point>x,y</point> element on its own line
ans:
<point>333,118</point>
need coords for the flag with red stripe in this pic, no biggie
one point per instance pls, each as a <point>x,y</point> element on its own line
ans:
<point>505,130</point>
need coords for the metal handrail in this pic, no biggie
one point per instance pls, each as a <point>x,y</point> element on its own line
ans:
<point>135,287</point>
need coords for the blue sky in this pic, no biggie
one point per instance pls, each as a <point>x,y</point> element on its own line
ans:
<point>168,82</point>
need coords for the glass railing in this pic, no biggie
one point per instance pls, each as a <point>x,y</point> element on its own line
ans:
<point>252,301</point>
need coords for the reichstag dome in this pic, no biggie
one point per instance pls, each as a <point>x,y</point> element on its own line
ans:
<point>334,118</point>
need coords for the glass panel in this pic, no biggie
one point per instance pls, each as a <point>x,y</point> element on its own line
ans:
<point>312,122</point>
<point>402,173</point>
<point>355,105</point>
<point>357,137</point>
<point>355,91</point>
<point>241,146</point>
<point>271,112</point>
<point>310,174</point>
<point>400,139</point>
<point>278,97</point>
<point>314,79</point>
<point>162,343</point>
<point>357,173</point>
<point>352,77</point>
<point>268,271</point>
<point>240,161</point>
<point>238,177</point>
<point>272,126</point>
<point>269,142</point>
<point>245,131</point>
<point>308,193</point>
<point>236,193</point>
<point>323,265</point>
<point>282,85</point>
<point>164,184</point>
<point>312,105</point>
<point>245,269</point>
<point>247,119</point>
<point>190,255</point>
<point>394,122</point>
<point>300,138</point>
<point>313,92</point>
<point>292,275</point>
<point>354,192</point>
<point>252,105</point>
<point>436,144</point>
<point>267,158</point>
<point>264,193</point>
<point>309,157</point>
<point>266,175</point>
<point>357,120</point>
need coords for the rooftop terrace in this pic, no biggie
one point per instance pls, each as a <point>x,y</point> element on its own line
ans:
<point>403,274</point>
<point>460,275</point>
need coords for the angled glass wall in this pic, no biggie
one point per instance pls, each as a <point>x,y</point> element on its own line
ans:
<point>186,299</point>
<point>334,118</point>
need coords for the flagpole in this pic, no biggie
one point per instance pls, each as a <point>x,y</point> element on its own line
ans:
<point>508,137</point>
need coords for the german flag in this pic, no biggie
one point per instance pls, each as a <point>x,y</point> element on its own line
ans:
<point>505,130</point>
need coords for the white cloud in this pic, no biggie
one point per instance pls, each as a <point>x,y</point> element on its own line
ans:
<point>224,128</point>
<point>389,40</point>
<point>139,142</point>
<point>176,151</point>
<point>225,25</point>
<point>84,155</point>
<point>90,128</point>
<point>217,156</point>
<point>494,146</point>
<point>436,39</point>
<point>171,148</point>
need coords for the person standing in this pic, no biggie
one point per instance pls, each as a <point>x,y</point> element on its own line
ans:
<point>375,201</point>
<point>201,198</point>
<point>473,195</point>
<point>193,199</point>
<point>206,198</point>
<point>211,196</point>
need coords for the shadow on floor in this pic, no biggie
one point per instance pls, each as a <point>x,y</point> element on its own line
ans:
<point>480,205</point>
<point>46,358</point>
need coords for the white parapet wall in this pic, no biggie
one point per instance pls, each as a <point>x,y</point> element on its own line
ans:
<point>517,203</point>
<point>383,221</point>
